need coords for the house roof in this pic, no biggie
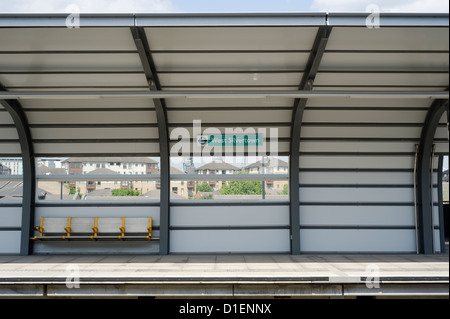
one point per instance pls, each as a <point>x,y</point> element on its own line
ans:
<point>218,165</point>
<point>15,189</point>
<point>174,170</point>
<point>156,193</point>
<point>103,171</point>
<point>4,168</point>
<point>44,170</point>
<point>269,162</point>
<point>109,160</point>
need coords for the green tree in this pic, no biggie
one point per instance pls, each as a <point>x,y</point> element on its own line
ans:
<point>242,188</point>
<point>204,187</point>
<point>72,190</point>
<point>125,192</point>
<point>285,190</point>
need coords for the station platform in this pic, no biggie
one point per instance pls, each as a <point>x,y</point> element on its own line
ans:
<point>225,276</point>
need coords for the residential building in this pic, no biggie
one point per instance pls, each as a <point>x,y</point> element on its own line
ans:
<point>121,165</point>
<point>217,167</point>
<point>4,170</point>
<point>14,164</point>
<point>184,189</point>
<point>270,165</point>
<point>52,187</point>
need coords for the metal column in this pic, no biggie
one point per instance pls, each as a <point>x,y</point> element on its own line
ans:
<point>294,150</point>
<point>29,173</point>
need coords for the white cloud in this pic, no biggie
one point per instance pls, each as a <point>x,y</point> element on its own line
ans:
<point>86,6</point>
<point>419,6</point>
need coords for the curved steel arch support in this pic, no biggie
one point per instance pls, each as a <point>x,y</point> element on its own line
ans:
<point>29,173</point>
<point>143,48</point>
<point>424,194</point>
<point>307,82</point>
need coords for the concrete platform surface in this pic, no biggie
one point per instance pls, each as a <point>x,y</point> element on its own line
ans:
<point>343,268</point>
<point>224,275</point>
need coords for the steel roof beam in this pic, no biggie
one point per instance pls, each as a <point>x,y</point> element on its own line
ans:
<point>224,19</point>
<point>157,94</point>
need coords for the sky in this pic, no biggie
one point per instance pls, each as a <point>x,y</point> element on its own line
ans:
<point>150,6</point>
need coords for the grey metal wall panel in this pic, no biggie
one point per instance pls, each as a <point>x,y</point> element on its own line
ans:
<point>356,195</point>
<point>72,80</point>
<point>437,241</point>
<point>8,133</point>
<point>96,247</point>
<point>352,116</point>
<point>55,62</point>
<point>43,39</point>
<point>385,61</point>
<point>355,178</point>
<point>436,214</point>
<point>360,240</point>
<point>357,162</point>
<point>104,148</point>
<point>229,79</point>
<point>237,117</point>
<point>230,216</point>
<point>5,118</point>
<point>10,217</point>
<point>186,61</point>
<point>230,241</point>
<point>107,102</point>
<point>91,117</point>
<point>387,79</point>
<point>230,102</point>
<point>359,146</point>
<point>324,131</point>
<point>442,147</point>
<point>231,38</point>
<point>94,133</point>
<point>223,238</point>
<point>9,138</point>
<point>356,216</point>
<point>10,242</point>
<point>279,132</point>
<point>385,38</point>
<point>270,148</point>
<point>441,132</point>
<point>341,102</point>
<point>9,148</point>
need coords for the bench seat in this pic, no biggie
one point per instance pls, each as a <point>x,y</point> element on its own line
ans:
<point>95,228</point>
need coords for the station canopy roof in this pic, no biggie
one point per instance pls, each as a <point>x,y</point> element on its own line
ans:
<point>85,91</point>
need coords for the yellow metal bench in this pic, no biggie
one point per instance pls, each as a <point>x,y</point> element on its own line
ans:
<point>94,228</point>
